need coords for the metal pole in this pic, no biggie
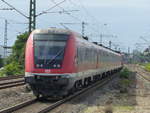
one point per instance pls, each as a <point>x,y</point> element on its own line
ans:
<point>110,44</point>
<point>101,38</point>
<point>5,39</point>
<point>83,27</point>
<point>32,17</point>
<point>128,50</point>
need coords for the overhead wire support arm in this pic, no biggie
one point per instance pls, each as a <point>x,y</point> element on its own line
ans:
<point>60,12</point>
<point>145,40</point>
<point>82,25</point>
<point>53,1</point>
<point>64,26</point>
<point>46,11</point>
<point>6,9</point>
<point>15,9</point>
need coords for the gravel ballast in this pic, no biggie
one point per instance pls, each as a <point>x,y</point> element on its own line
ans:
<point>108,99</point>
<point>15,95</point>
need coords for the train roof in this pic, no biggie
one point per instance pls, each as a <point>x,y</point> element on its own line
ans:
<point>53,31</point>
<point>103,48</point>
<point>68,32</point>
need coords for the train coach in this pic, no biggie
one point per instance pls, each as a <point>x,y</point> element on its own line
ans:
<point>58,62</point>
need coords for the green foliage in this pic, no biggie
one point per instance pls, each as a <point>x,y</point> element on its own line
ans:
<point>125,82</point>
<point>19,48</point>
<point>147,66</point>
<point>11,69</point>
<point>1,62</point>
<point>15,62</point>
<point>124,85</point>
<point>125,73</point>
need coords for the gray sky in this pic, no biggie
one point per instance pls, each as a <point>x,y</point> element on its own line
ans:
<point>128,19</point>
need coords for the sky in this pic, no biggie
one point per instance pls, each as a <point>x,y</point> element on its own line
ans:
<point>124,20</point>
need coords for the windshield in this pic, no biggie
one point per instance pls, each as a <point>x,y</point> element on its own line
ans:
<point>49,50</point>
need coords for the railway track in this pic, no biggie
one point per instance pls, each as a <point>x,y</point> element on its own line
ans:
<point>142,73</point>
<point>143,76</point>
<point>44,107</point>
<point>11,77</point>
<point>11,84</point>
<point>12,81</point>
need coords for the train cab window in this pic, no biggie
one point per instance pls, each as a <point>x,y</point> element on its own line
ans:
<point>49,50</point>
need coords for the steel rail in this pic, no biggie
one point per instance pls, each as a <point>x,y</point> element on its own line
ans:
<point>59,102</point>
<point>11,77</point>
<point>18,106</point>
<point>11,84</point>
<point>143,76</point>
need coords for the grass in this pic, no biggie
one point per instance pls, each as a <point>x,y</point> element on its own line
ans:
<point>147,67</point>
<point>105,109</point>
<point>123,108</point>
<point>125,73</point>
<point>124,80</point>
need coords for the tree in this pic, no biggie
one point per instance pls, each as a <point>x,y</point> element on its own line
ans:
<point>1,62</point>
<point>15,62</point>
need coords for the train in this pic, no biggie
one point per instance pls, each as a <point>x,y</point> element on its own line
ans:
<point>59,62</point>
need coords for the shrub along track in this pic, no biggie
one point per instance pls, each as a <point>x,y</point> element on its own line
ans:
<point>43,106</point>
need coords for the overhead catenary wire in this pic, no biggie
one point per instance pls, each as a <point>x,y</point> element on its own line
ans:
<point>64,11</point>
<point>6,9</point>
<point>15,9</point>
<point>60,12</point>
<point>53,1</point>
<point>89,14</point>
<point>46,11</point>
<point>97,23</point>
<point>13,21</point>
<point>31,23</point>
<point>96,30</point>
<point>86,11</point>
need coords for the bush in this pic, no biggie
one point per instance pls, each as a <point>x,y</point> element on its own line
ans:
<point>147,67</point>
<point>1,62</point>
<point>125,82</point>
<point>125,73</point>
<point>15,62</point>
<point>11,69</point>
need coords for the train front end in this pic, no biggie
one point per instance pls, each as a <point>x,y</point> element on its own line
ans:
<point>49,62</point>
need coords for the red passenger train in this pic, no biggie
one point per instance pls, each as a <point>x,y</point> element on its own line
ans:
<point>59,61</point>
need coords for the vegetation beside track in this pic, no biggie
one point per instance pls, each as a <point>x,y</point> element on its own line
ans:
<point>1,62</point>
<point>14,64</point>
<point>147,66</point>
<point>124,80</point>
<point>125,73</point>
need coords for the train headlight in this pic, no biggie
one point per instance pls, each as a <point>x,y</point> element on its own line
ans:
<point>58,65</point>
<point>37,65</point>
